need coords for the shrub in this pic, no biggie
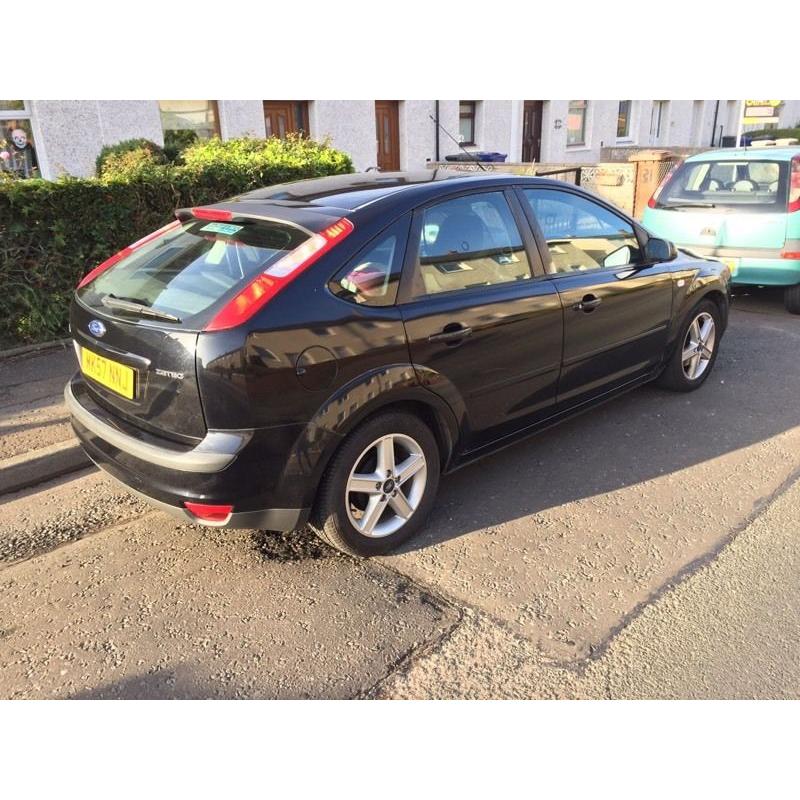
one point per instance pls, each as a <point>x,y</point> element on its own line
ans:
<point>155,152</point>
<point>175,142</point>
<point>53,232</point>
<point>131,164</point>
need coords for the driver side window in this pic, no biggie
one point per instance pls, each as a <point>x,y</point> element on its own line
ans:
<point>582,235</point>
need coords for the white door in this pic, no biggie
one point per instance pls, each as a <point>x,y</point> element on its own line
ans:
<point>658,123</point>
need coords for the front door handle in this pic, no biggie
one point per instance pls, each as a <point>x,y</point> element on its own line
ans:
<point>588,304</point>
<point>451,334</point>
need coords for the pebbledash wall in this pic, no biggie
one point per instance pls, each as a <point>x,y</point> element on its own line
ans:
<point>68,134</point>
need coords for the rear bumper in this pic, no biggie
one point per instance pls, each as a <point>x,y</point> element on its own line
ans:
<point>757,266</point>
<point>241,468</point>
<point>213,454</point>
<point>270,519</point>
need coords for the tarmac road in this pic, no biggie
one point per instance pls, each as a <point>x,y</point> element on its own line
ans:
<point>645,549</point>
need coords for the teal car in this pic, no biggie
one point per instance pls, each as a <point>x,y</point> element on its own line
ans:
<point>740,206</point>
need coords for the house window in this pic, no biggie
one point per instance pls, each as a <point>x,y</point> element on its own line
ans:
<point>17,149</point>
<point>282,117</point>
<point>198,117</point>
<point>624,119</point>
<point>466,121</point>
<point>576,122</point>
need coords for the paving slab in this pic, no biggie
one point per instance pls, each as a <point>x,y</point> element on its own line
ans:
<point>562,537</point>
<point>154,609</point>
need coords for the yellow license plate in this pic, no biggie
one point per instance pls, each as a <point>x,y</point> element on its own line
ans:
<point>111,374</point>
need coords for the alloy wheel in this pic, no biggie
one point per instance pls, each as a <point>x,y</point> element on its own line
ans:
<point>386,485</point>
<point>698,346</point>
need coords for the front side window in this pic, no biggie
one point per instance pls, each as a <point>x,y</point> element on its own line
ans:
<point>372,277</point>
<point>576,122</point>
<point>581,234</point>
<point>758,186</point>
<point>624,119</point>
<point>17,149</point>
<point>469,242</point>
<point>466,121</point>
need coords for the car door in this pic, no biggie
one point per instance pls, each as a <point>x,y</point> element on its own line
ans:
<point>483,325</point>
<point>616,307</point>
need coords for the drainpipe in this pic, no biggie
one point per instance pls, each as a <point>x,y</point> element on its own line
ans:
<point>714,126</point>
<point>436,114</point>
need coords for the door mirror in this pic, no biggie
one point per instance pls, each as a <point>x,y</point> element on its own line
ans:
<point>659,250</point>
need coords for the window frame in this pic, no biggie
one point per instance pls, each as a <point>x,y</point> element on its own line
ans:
<point>473,116</point>
<point>403,224</point>
<point>584,118</point>
<point>405,295</point>
<point>217,131</point>
<point>640,233</point>
<point>19,113</point>
<point>626,134</point>
<point>26,113</point>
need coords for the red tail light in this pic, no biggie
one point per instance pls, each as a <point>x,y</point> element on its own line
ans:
<point>209,513</point>
<point>794,185</point>
<point>216,214</point>
<point>109,262</point>
<point>267,284</point>
<point>651,203</point>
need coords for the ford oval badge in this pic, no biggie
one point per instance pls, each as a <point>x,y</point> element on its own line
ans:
<point>96,328</point>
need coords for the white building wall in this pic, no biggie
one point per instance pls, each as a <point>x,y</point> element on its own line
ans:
<point>70,133</point>
<point>493,126</point>
<point>418,132</point>
<point>241,118</point>
<point>350,126</point>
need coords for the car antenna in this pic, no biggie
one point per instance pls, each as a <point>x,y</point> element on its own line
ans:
<point>461,146</point>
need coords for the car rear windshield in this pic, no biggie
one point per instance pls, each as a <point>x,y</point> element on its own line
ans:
<point>191,267</point>
<point>736,184</point>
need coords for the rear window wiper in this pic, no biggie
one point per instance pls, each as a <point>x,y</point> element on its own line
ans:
<point>138,308</point>
<point>690,204</point>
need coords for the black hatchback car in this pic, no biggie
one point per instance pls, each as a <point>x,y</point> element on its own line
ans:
<point>323,351</point>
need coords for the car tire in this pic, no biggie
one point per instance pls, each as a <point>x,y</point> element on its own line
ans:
<point>372,522</point>
<point>791,299</point>
<point>696,350</point>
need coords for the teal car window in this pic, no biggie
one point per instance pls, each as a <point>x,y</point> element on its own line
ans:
<point>754,185</point>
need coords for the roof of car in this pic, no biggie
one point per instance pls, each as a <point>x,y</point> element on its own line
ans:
<point>354,191</point>
<point>750,153</point>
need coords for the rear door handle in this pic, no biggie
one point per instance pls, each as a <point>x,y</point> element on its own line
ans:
<point>451,334</point>
<point>588,303</point>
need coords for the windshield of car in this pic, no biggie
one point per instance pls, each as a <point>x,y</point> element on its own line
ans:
<point>189,268</point>
<point>740,184</point>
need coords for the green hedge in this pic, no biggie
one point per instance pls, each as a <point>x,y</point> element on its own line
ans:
<point>775,133</point>
<point>53,232</point>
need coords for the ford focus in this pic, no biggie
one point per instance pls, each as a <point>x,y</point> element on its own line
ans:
<point>322,352</point>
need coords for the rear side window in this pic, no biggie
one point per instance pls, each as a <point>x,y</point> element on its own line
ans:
<point>190,268</point>
<point>581,234</point>
<point>468,242</point>
<point>741,184</point>
<point>372,277</point>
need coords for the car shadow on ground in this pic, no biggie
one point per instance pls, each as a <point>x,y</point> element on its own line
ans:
<point>750,397</point>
